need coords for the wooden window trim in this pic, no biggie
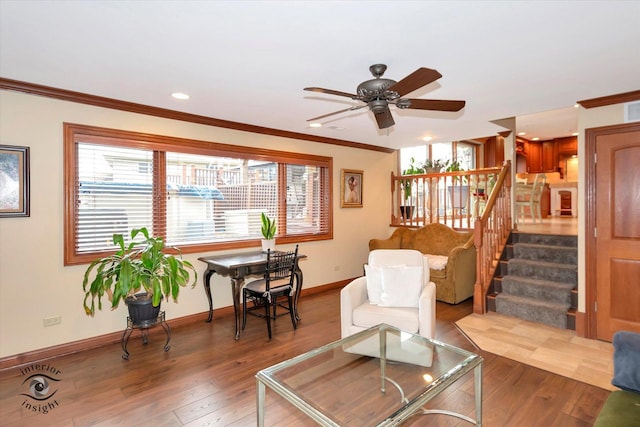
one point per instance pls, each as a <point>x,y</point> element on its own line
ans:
<point>74,133</point>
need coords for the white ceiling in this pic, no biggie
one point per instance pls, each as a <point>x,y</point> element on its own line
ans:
<point>248,61</point>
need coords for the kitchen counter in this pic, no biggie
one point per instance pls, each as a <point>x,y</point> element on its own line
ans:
<point>573,184</point>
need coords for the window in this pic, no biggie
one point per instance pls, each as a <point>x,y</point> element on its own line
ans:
<point>419,153</point>
<point>442,151</point>
<point>197,195</point>
<point>465,153</point>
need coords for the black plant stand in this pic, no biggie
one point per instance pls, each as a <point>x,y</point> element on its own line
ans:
<point>144,327</point>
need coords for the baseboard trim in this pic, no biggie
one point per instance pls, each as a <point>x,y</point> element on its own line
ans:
<point>42,354</point>
<point>581,325</point>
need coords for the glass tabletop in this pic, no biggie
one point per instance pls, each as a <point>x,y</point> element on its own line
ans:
<point>369,378</point>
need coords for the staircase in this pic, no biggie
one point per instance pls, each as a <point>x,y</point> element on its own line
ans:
<point>537,279</point>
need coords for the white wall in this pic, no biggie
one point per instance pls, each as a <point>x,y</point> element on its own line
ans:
<point>34,284</point>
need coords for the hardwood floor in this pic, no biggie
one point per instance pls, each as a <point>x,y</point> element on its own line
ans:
<point>536,344</point>
<point>550,225</point>
<point>207,379</point>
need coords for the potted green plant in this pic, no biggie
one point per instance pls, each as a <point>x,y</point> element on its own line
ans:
<point>137,266</point>
<point>435,166</point>
<point>268,230</point>
<point>406,210</point>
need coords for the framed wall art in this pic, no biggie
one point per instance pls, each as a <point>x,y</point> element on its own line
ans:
<point>14,181</point>
<point>351,188</point>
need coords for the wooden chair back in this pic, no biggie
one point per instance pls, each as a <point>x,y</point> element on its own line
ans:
<point>280,265</point>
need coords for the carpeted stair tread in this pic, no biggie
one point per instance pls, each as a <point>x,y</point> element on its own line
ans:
<point>549,313</point>
<point>543,270</point>
<point>544,264</point>
<point>539,289</point>
<point>536,280</point>
<point>546,253</point>
<point>546,239</point>
<point>560,307</point>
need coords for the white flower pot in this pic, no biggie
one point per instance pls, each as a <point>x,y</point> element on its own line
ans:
<point>459,196</point>
<point>268,244</point>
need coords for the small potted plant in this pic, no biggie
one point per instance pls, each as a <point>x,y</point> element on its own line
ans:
<point>137,266</point>
<point>407,210</point>
<point>435,166</point>
<point>268,233</point>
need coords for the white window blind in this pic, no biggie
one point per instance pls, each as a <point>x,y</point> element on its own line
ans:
<point>307,200</point>
<point>114,194</point>
<point>197,196</point>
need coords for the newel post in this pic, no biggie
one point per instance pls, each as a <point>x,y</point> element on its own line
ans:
<point>479,299</point>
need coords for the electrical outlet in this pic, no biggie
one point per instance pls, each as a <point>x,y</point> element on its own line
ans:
<point>53,320</point>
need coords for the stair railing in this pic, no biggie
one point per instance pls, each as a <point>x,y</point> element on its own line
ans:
<point>452,198</point>
<point>484,207</point>
<point>491,232</point>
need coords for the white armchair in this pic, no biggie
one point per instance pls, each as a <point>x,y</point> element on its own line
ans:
<point>358,313</point>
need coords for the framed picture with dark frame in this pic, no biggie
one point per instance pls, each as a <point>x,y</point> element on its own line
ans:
<point>351,188</point>
<point>14,181</point>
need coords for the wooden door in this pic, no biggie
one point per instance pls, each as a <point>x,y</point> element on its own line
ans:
<point>617,230</point>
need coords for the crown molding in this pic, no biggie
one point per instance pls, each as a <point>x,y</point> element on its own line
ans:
<point>132,107</point>
<point>611,99</point>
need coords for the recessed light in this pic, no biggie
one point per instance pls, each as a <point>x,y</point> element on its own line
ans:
<point>315,125</point>
<point>180,95</point>
<point>535,139</point>
<point>427,138</point>
<point>522,133</point>
<point>574,134</point>
<point>576,105</point>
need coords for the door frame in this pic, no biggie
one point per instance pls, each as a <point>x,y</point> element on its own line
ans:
<point>591,249</point>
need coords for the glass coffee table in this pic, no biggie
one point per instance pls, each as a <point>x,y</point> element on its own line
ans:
<point>380,376</point>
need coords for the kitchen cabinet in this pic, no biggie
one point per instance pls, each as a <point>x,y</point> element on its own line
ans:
<point>542,157</point>
<point>534,157</point>
<point>567,146</point>
<point>545,156</point>
<point>549,156</point>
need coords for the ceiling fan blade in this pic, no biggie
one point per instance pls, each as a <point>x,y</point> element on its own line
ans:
<point>331,92</point>
<point>417,79</point>
<point>357,107</point>
<point>436,104</point>
<point>384,119</point>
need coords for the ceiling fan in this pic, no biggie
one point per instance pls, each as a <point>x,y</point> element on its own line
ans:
<point>378,93</point>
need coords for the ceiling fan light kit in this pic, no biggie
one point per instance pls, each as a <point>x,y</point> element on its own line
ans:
<point>378,93</point>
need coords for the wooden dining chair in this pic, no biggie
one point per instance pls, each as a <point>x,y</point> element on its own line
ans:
<point>530,196</point>
<point>278,282</point>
